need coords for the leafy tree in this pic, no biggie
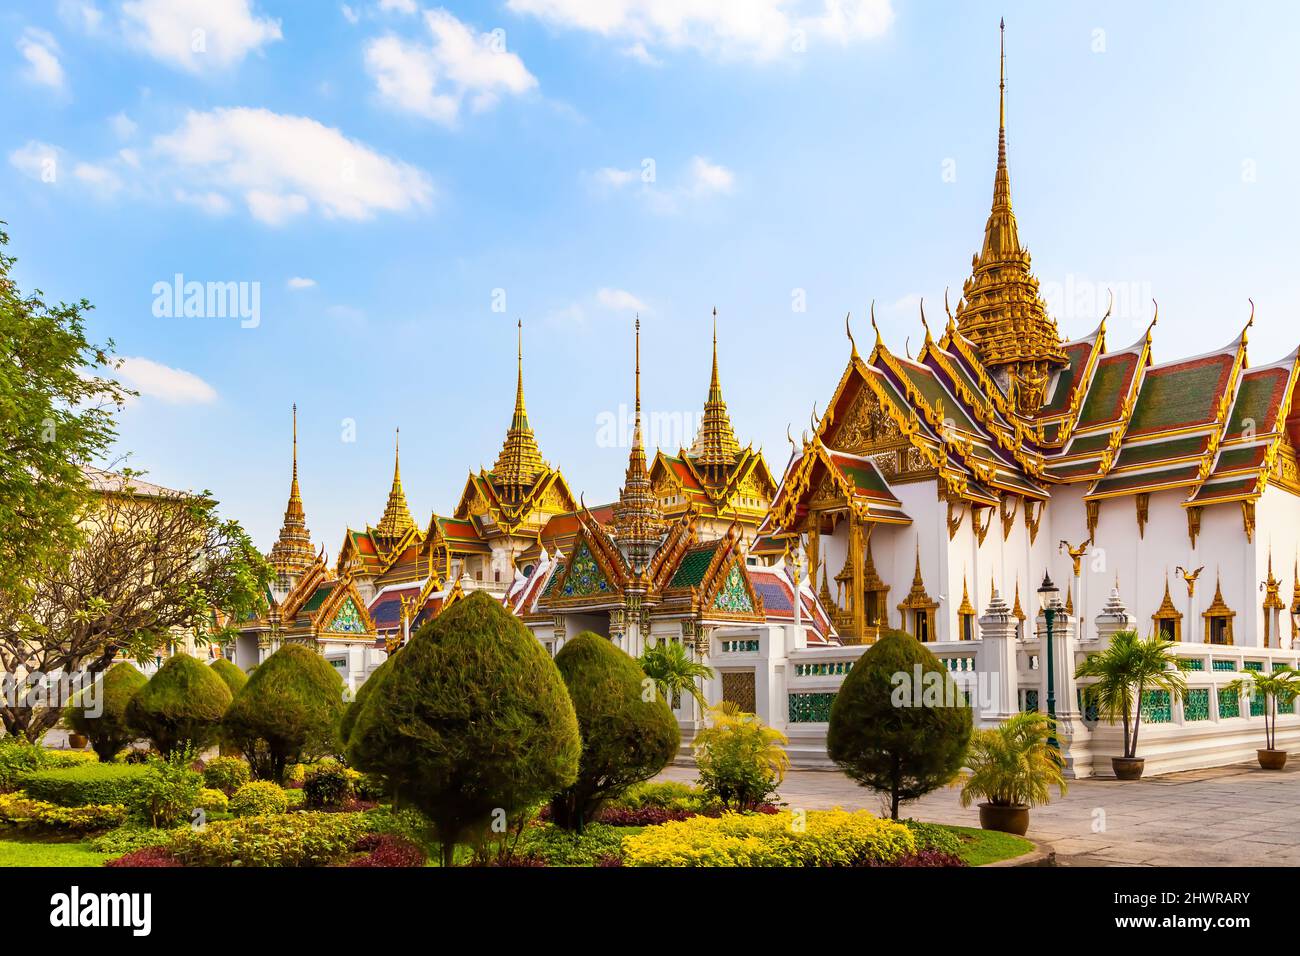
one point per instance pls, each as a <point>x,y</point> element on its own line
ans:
<point>1124,671</point>
<point>741,760</point>
<point>1280,685</point>
<point>471,723</point>
<point>626,738</point>
<point>152,564</point>
<point>57,400</point>
<point>113,690</point>
<point>898,724</point>
<point>288,711</point>
<point>669,665</point>
<point>230,673</point>
<point>181,706</point>
<point>351,710</point>
<point>1012,764</point>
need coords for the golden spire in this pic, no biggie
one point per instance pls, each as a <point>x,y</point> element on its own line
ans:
<point>397,518</point>
<point>1016,609</point>
<point>1001,310</point>
<point>292,552</point>
<point>715,448</point>
<point>520,461</point>
<point>638,522</point>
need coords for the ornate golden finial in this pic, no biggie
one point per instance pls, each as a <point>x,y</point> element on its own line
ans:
<point>715,448</point>
<point>520,460</point>
<point>396,520</point>
<point>924,324</point>
<point>1110,304</point>
<point>873,323</point>
<point>1249,322</point>
<point>952,323</point>
<point>848,330</point>
<point>292,552</point>
<point>638,520</point>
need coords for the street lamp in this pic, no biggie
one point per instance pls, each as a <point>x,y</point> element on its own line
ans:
<point>1048,592</point>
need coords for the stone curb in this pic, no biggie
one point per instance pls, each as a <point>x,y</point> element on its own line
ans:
<point>1041,855</point>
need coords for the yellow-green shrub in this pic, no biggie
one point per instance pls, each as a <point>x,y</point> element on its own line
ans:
<point>259,798</point>
<point>213,801</point>
<point>826,838</point>
<point>19,810</point>
<point>297,839</point>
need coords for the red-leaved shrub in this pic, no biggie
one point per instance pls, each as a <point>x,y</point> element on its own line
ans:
<point>387,850</point>
<point>150,856</point>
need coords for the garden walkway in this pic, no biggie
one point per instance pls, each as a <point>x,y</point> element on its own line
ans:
<point>1227,816</point>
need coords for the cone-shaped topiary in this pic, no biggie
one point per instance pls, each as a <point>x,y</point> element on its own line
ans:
<point>230,673</point>
<point>350,711</point>
<point>471,719</point>
<point>181,705</point>
<point>288,711</point>
<point>899,723</point>
<point>101,714</point>
<point>628,734</point>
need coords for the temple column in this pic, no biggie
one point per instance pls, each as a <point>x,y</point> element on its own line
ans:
<point>856,602</point>
<point>999,685</point>
<point>1071,732</point>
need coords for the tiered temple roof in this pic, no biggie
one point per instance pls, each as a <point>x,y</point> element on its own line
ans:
<point>293,553</point>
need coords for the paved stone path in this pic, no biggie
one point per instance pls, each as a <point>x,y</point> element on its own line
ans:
<point>1228,816</point>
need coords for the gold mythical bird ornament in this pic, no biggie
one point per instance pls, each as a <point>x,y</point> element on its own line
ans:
<point>1189,578</point>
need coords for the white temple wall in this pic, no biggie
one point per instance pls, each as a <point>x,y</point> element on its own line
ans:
<point>1277,532</point>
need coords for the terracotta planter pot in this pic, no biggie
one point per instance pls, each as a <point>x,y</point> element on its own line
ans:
<point>1004,819</point>
<point>78,742</point>
<point>1271,759</point>
<point>1128,768</point>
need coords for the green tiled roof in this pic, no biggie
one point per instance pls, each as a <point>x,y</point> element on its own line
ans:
<point>1177,448</point>
<point>316,600</point>
<point>1106,394</point>
<point>690,572</point>
<point>934,394</point>
<point>1180,395</point>
<point>1089,443</point>
<point>1257,402</point>
<point>1236,458</point>
<point>1150,479</point>
<point>1227,489</point>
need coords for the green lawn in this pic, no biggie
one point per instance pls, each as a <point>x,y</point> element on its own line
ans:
<point>20,853</point>
<point>989,846</point>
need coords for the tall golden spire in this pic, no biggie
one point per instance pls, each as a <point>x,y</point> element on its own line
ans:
<point>638,521</point>
<point>520,461</point>
<point>715,448</point>
<point>292,552</point>
<point>397,518</point>
<point>1001,310</point>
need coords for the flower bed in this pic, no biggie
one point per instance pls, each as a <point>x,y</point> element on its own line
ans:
<point>21,812</point>
<point>294,839</point>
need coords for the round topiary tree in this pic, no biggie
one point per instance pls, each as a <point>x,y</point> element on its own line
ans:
<point>288,711</point>
<point>899,723</point>
<point>627,735</point>
<point>350,711</point>
<point>100,714</point>
<point>230,673</point>
<point>470,722</point>
<point>181,706</point>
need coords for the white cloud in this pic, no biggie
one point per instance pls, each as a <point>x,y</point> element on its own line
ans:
<point>195,35</point>
<point>399,6</point>
<point>755,29</point>
<point>41,52</point>
<point>617,178</point>
<point>298,282</point>
<point>620,300</point>
<point>123,126</point>
<point>282,166</point>
<point>172,385</point>
<point>434,79</point>
<point>84,15</point>
<point>703,179</point>
<point>707,177</point>
<point>99,178</point>
<point>37,160</point>
<point>349,14</point>
<point>214,204</point>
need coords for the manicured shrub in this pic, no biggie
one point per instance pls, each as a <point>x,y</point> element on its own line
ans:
<point>18,756</point>
<point>826,838</point>
<point>890,734</point>
<point>234,678</point>
<point>24,813</point>
<point>932,837</point>
<point>387,850</point>
<point>226,774</point>
<point>472,717</point>
<point>212,801</point>
<point>327,787</point>
<point>668,794</point>
<point>259,798</point>
<point>57,759</point>
<point>99,712</point>
<point>128,838</point>
<point>95,783</point>
<point>740,759</point>
<point>289,710</point>
<point>295,839</point>
<point>560,847</point>
<point>625,738</point>
<point>169,792</point>
<point>351,710</point>
<point>152,856</point>
<point>181,706</point>
<point>295,775</point>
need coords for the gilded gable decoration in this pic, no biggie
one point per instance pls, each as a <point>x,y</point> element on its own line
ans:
<point>1168,620</point>
<point>1218,618</point>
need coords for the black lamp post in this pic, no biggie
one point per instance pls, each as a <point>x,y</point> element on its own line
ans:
<point>1049,591</point>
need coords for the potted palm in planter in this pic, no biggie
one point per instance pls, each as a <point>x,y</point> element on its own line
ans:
<point>1126,670</point>
<point>1282,685</point>
<point>1013,768</point>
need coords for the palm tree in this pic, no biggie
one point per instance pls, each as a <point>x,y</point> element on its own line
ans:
<point>673,672</point>
<point>1126,670</point>
<point>1283,685</point>
<point>740,759</point>
<point>1012,765</point>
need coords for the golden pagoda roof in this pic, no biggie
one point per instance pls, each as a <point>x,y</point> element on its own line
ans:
<point>1001,310</point>
<point>520,460</point>
<point>638,521</point>
<point>292,552</point>
<point>715,446</point>
<point>397,520</point>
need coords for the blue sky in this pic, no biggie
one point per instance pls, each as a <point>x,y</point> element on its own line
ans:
<point>431,174</point>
